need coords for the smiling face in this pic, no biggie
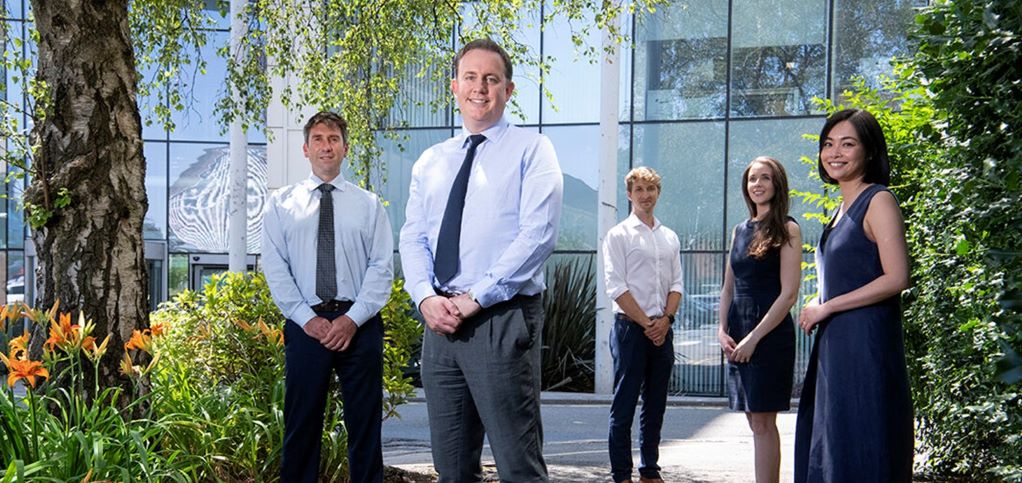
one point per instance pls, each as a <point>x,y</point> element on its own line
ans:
<point>759,185</point>
<point>325,149</point>
<point>481,89</point>
<point>842,153</point>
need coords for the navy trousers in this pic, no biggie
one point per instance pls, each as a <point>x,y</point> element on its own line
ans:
<point>639,368</point>
<point>308,369</point>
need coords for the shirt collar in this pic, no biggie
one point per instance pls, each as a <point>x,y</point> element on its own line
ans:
<point>493,132</point>
<point>338,182</point>
<point>634,221</point>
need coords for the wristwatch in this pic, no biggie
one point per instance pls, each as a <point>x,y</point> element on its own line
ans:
<point>670,317</point>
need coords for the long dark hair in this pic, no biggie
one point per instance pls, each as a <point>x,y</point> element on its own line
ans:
<point>772,231</point>
<point>878,164</point>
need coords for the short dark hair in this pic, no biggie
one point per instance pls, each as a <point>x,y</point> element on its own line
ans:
<point>871,135</point>
<point>484,44</point>
<point>329,118</point>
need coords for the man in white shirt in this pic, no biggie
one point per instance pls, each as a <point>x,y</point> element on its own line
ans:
<point>482,215</point>
<point>642,261</point>
<point>328,259</point>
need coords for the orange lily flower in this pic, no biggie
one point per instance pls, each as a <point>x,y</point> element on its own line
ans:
<point>140,340</point>
<point>93,351</point>
<point>272,335</point>
<point>157,329</point>
<point>19,344</point>
<point>63,334</point>
<point>23,369</point>
<point>127,367</point>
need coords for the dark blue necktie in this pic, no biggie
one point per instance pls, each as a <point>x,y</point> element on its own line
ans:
<point>445,265</point>
<point>326,263</point>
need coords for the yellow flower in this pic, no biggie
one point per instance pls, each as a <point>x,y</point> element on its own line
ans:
<point>23,368</point>
<point>140,340</point>
<point>273,335</point>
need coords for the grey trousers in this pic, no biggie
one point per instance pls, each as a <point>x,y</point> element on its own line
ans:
<point>485,379</point>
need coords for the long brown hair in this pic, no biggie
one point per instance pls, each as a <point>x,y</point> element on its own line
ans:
<point>771,232</point>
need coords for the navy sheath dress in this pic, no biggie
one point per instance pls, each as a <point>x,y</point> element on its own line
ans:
<point>763,384</point>
<point>855,416</point>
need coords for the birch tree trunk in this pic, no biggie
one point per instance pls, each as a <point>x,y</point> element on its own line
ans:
<point>91,252</point>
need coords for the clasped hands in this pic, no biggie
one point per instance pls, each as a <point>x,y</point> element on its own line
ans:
<point>444,315</point>
<point>656,330</point>
<point>335,335</point>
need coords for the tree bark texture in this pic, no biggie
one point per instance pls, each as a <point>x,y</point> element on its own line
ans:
<point>91,253</point>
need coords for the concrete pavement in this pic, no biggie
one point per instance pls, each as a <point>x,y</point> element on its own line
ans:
<point>703,441</point>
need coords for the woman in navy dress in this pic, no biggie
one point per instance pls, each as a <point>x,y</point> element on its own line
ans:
<point>756,332</point>
<point>855,415</point>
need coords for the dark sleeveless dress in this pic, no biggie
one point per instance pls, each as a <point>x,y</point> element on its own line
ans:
<point>764,383</point>
<point>855,416</point>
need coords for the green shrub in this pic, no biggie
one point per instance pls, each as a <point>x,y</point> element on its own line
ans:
<point>569,330</point>
<point>221,378</point>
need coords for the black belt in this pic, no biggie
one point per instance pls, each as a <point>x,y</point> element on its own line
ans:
<point>333,306</point>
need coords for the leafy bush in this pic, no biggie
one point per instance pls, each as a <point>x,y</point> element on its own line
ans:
<point>966,234</point>
<point>222,378</point>
<point>569,331</point>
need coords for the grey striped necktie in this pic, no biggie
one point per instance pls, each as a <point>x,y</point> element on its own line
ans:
<point>326,263</point>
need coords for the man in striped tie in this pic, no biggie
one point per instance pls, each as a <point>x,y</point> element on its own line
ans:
<point>327,255</point>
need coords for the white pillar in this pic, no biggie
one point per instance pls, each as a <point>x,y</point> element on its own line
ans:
<point>237,246</point>
<point>606,211</point>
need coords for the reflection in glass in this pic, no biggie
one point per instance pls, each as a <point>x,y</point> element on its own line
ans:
<point>15,277</point>
<point>574,80</point>
<point>690,158</point>
<point>681,62</point>
<point>699,365</point>
<point>867,34</point>
<point>398,157</point>
<point>199,197</point>
<point>177,274</point>
<point>778,56</point>
<point>198,121</point>
<point>422,100</point>
<point>155,226</point>
<point>783,141</point>
<point>579,157</point>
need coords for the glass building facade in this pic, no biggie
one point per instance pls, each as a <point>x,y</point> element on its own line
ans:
<point>705,87</point>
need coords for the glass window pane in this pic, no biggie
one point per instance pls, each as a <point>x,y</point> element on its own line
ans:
<point>783,141</point>
<point>699,365</point>
<point>177,276</point>
<point>199,197</point>
<point>867,33</point>
<point>15,277</point>
<point>778,56</point>
<point>681,63</point>
<point>579,157</point>
<point>574,80</point>
<point>199,121</point>
<point>155,227</point>
<point>398,157</point>
<point>422,100</point>
<point>624,165</point>
<point>690,158</point>
<point>15,215</point>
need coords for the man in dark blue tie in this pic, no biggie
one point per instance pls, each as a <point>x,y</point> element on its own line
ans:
<point>327,255</point>
<point>482,216</point>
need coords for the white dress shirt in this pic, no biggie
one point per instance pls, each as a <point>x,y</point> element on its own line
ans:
<point>509,223</point>
<point>364,248</point>
<point>643,261</point>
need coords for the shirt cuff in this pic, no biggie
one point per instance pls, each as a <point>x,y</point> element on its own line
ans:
<point>303,315</point>
<point>358,314</point>
<point>421,292</point>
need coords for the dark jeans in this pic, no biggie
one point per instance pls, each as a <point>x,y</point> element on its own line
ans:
<point>639,368</point>
<point>308,368</point>
<point>485,379</point>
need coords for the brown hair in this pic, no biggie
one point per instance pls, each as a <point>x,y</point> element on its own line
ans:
<point>329,118</point>
<point>484,44</point>
<point>642,173</point>
<point>772,232</point>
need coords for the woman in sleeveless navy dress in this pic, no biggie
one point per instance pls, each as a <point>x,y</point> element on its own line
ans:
<point>756,332</point>
<point>855,417</point>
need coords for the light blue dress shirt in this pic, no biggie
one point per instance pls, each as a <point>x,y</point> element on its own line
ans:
<point>509,225</point>
<point>364,249</point>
